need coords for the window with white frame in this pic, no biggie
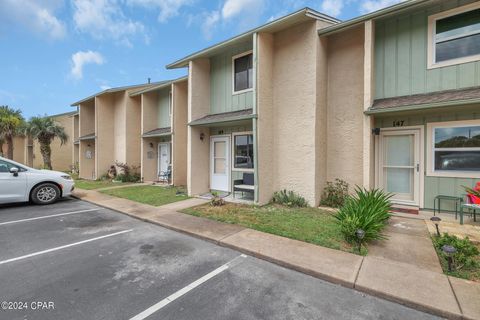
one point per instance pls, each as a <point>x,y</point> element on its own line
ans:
<point>456,148</point>
<point>455,36</point>
<point>242,72</point>
<point>243,151</point>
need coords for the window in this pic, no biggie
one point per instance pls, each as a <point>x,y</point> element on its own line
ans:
<point>243,151</point>
<point>242,73</point>
<point>455,36</point>
<point>456,148</point>
<point>5,167</point>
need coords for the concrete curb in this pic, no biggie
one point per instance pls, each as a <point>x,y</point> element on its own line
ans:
<point>327,277</point>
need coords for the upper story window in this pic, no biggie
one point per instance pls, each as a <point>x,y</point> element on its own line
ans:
<point>455,149</point>
<point>454,36</point>
<point>242,72</point>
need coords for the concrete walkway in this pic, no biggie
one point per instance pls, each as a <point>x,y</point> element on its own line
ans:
<point>422,287</point>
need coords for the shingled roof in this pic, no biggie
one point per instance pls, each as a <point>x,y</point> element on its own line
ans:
<point>224,117</point>
<point>158,132</point>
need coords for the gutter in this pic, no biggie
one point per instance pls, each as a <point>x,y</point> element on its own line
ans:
<point>373,15</point>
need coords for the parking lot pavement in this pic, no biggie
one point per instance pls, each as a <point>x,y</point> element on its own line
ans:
<point>100,264</point>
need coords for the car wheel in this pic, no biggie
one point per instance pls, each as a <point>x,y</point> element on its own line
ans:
<point>45,193</point>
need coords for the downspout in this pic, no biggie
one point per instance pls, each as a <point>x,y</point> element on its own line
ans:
<point>254,120</point>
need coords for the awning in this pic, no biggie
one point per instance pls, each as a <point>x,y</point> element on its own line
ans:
<point>90,136</point>
<point>437,99</point>
<point>158,132</point>
<point>224,117</point>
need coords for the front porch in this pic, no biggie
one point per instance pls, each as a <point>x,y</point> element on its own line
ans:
<point>157,156</point>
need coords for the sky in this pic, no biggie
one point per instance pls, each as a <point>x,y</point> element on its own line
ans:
<point>56,52</point>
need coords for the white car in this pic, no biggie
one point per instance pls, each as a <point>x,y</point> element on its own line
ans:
<point>19,183</point>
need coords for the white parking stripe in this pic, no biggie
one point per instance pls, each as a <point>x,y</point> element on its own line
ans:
<point>63,247</point>
<point>181,292</point>
<point>50,216</point>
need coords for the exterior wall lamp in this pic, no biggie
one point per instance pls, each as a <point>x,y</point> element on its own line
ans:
<point>202,136</point>
<point>376,131</point>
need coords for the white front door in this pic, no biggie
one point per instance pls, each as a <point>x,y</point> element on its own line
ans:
<point>399,165</point>
<point>220,163</point>
<point>163,157</point>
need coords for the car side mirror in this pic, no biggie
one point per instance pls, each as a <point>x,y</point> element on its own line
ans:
<point>14,171</point>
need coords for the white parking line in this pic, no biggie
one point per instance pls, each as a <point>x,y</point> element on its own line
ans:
<point>63,247</point>
<point>181,292</point>
<point>46,217</point>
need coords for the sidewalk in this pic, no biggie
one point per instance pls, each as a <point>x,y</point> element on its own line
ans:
<point>420,288</point>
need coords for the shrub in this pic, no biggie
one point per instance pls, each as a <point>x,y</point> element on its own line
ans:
<point>128,173</point>
<point>217,201</point>
<point>467,253</point>
<point>335,193</point>
<point>289,198</point>
<point>367,210</point>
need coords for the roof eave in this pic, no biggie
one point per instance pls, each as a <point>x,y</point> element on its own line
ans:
<point>305,12</point>
<point>231,119</point>
<point>369,16</point>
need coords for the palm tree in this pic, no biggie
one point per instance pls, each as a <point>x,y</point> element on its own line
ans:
<point>45,129</point>
<point>11,121</point>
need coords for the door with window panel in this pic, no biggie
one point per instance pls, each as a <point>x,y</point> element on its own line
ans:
<point>220,163</point>
<point>399,165</point>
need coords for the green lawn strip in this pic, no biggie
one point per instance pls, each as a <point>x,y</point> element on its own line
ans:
<point>305,224</point>
<point>152,195</point>
<point>96,184</point>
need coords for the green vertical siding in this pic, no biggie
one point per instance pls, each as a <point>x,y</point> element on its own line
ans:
<point>222,97</point>
<point>401,57</point>
<point>164,108</point>
<point>435,185</point>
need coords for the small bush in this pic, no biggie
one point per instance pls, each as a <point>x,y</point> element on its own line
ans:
<point>367,210</point>
<point>217,201</point>
<point>335,193</point>
<point>289,198</point>
<point>128,173</point>
<point>467,253</point>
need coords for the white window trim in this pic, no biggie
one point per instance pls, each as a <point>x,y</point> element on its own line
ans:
<point>233,73</point>
<point>431,172</point>
<point>233,151</point>
<point>431,63</point>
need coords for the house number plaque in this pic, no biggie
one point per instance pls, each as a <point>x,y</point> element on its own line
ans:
<point>398,123</point>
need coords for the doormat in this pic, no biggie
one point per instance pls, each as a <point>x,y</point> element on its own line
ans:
<point>405,210</point>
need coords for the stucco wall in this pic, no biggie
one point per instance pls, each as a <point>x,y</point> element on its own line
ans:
<point>198,106</point>
<point>266,116</point>
<point>345,106</point>
<point>132,131</point>
<point>294,110</point>
<point>119,105</point>
<point>74,133</point>
<point>87,166</point>
<point>87,117</point>
<point>179,138</point>
<point>105,143</point>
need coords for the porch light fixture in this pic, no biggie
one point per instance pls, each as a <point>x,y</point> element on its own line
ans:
<point>436,221</point>
<point>202,136</point>
<point>151,145</point>
<point>449,251</point>
<point>376,131</point>
<point>360,234</point>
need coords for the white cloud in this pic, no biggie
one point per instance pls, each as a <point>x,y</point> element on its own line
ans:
<point>81,58</point>
<point>37,16</point>
<point>105,87</point>
<point>167,8</point>
<point>332,7</point>
<point>209,23</point>
<point>105,19</point>
<point>374,5</point>
<point>232,8</point>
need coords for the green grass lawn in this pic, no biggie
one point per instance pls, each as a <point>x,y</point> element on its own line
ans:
<point>96,184</point>
<point>305,224</point>
<point>152,195</point>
